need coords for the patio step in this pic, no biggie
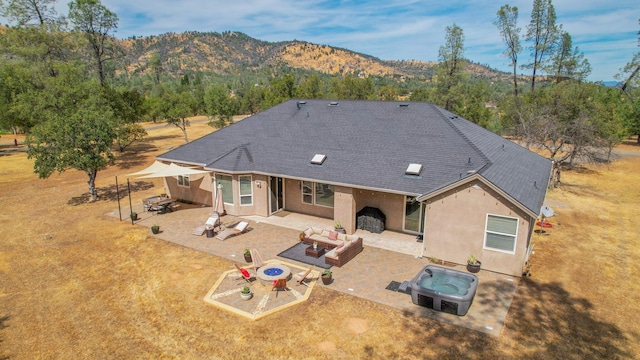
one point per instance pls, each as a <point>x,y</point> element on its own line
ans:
<point>404,287</point>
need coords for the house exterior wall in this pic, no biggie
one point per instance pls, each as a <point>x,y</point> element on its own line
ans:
<point>199,190</point>
<point>392,205</point>
<point>293,201</point>
<point>455,227</point>
<point>345,208</point>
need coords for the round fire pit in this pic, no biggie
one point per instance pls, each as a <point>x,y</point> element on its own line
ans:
<point>273,271</point>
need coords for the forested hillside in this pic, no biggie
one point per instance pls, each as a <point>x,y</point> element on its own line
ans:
<point>236,53</point>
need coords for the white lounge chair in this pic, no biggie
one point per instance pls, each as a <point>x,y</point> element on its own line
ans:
<point>213,221</point>
<point>228,232</point>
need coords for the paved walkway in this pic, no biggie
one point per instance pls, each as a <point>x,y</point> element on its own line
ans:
<point>366,276</point>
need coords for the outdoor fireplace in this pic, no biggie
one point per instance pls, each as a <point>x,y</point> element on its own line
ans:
<point>371,219</point>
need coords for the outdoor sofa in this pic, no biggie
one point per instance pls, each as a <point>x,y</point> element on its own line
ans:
<point>340,248</point>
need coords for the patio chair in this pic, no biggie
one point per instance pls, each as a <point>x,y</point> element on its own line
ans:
<point>228,232</point>
<point>302,276</point>
<point>213,221</point>
<point>257,259</point>
<point>244,273</point>
<point>279,285</point>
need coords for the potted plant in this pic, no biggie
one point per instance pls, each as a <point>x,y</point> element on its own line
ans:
<point>246,294</point>
<point>155,229</point>
<point>301,235</point>
<point>247,255</point>
<point>315,244</point>
<point>339,228</point>
<point>473,264</point>
<point>326,277</point>
<point>134,216</point>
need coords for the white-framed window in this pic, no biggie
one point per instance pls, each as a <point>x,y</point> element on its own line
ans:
<point>227,187</point>
<point>183,180</point>
<point>307,192</point>
<point>246,190</point>
<point>317,194</point>
<point>324,195</point>
<point>501,233</point>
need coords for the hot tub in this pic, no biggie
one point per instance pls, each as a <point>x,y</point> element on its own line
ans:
<point>444,289</point>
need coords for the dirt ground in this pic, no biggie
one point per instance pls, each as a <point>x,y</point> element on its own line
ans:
<point>77,284</point>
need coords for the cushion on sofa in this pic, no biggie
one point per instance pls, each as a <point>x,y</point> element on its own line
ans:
<point>325,233</point>
<point>331,254</point>
<point>316,230</point>
<point>308,232</point>
<point>342,236</point>
<point>333,235</point>
<point>341,249</point>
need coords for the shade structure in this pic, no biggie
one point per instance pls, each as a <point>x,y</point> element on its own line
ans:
<point>218,201</point>
<point>173,170</point>
<point>155,167</point>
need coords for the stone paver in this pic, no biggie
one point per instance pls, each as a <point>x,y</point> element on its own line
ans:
<point>365,276</point>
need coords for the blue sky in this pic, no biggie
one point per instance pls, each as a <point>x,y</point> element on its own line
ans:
<point>604,30</point>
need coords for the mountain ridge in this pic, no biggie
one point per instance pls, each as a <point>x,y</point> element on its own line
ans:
<point>232,52</point>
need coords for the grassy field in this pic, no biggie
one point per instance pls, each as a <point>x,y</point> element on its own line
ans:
<point>76,284</point>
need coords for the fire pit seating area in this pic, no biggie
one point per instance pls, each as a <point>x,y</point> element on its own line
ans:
<point>340,247</point>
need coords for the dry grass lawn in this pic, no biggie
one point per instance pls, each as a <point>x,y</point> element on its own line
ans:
<point>76,284</point>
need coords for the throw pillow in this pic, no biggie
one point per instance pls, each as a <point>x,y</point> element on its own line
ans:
<point>339,246</point>
<point>333,235</point>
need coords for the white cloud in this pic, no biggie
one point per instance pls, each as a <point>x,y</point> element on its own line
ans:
<point>395,29</point>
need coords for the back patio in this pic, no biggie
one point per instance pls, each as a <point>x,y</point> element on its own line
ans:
<point>386,257</point>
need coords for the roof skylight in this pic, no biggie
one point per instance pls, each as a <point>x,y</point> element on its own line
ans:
<point>413,169</point>
<point>318,159</point>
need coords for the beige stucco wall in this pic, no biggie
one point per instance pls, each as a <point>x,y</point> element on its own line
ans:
<point>455,228</point>
<point>293,201</point>
<point>344,208</point>
<point>392,205</point>
<point>198,192</point>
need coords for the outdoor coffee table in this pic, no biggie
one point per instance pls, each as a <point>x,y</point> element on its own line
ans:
<point>316,253</point>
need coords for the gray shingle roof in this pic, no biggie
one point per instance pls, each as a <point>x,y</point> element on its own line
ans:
<point>369,144</point>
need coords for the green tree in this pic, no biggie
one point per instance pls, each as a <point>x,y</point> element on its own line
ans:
<point>351,88</point>
<point>219,106</point>
<point>155,64</point>
<point>388,92</point>
<point>568,62</point>
<point>78,129</point>
<point>127,110</point>
<point>451,65</point>
<point>542,32</point>
<point>176,108</point>
<point>280,90</point>
<point>96,22</point>
<point>29,12</point>
<point>569,120</point>
<point>471,104</point>
<point>630,76</point>
<point>507,23</point>
<point>311,87</point>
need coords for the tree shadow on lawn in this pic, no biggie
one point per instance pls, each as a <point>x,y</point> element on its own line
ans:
<point>3,320</point>
<point>109,193</point>
<point>544,321</point>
